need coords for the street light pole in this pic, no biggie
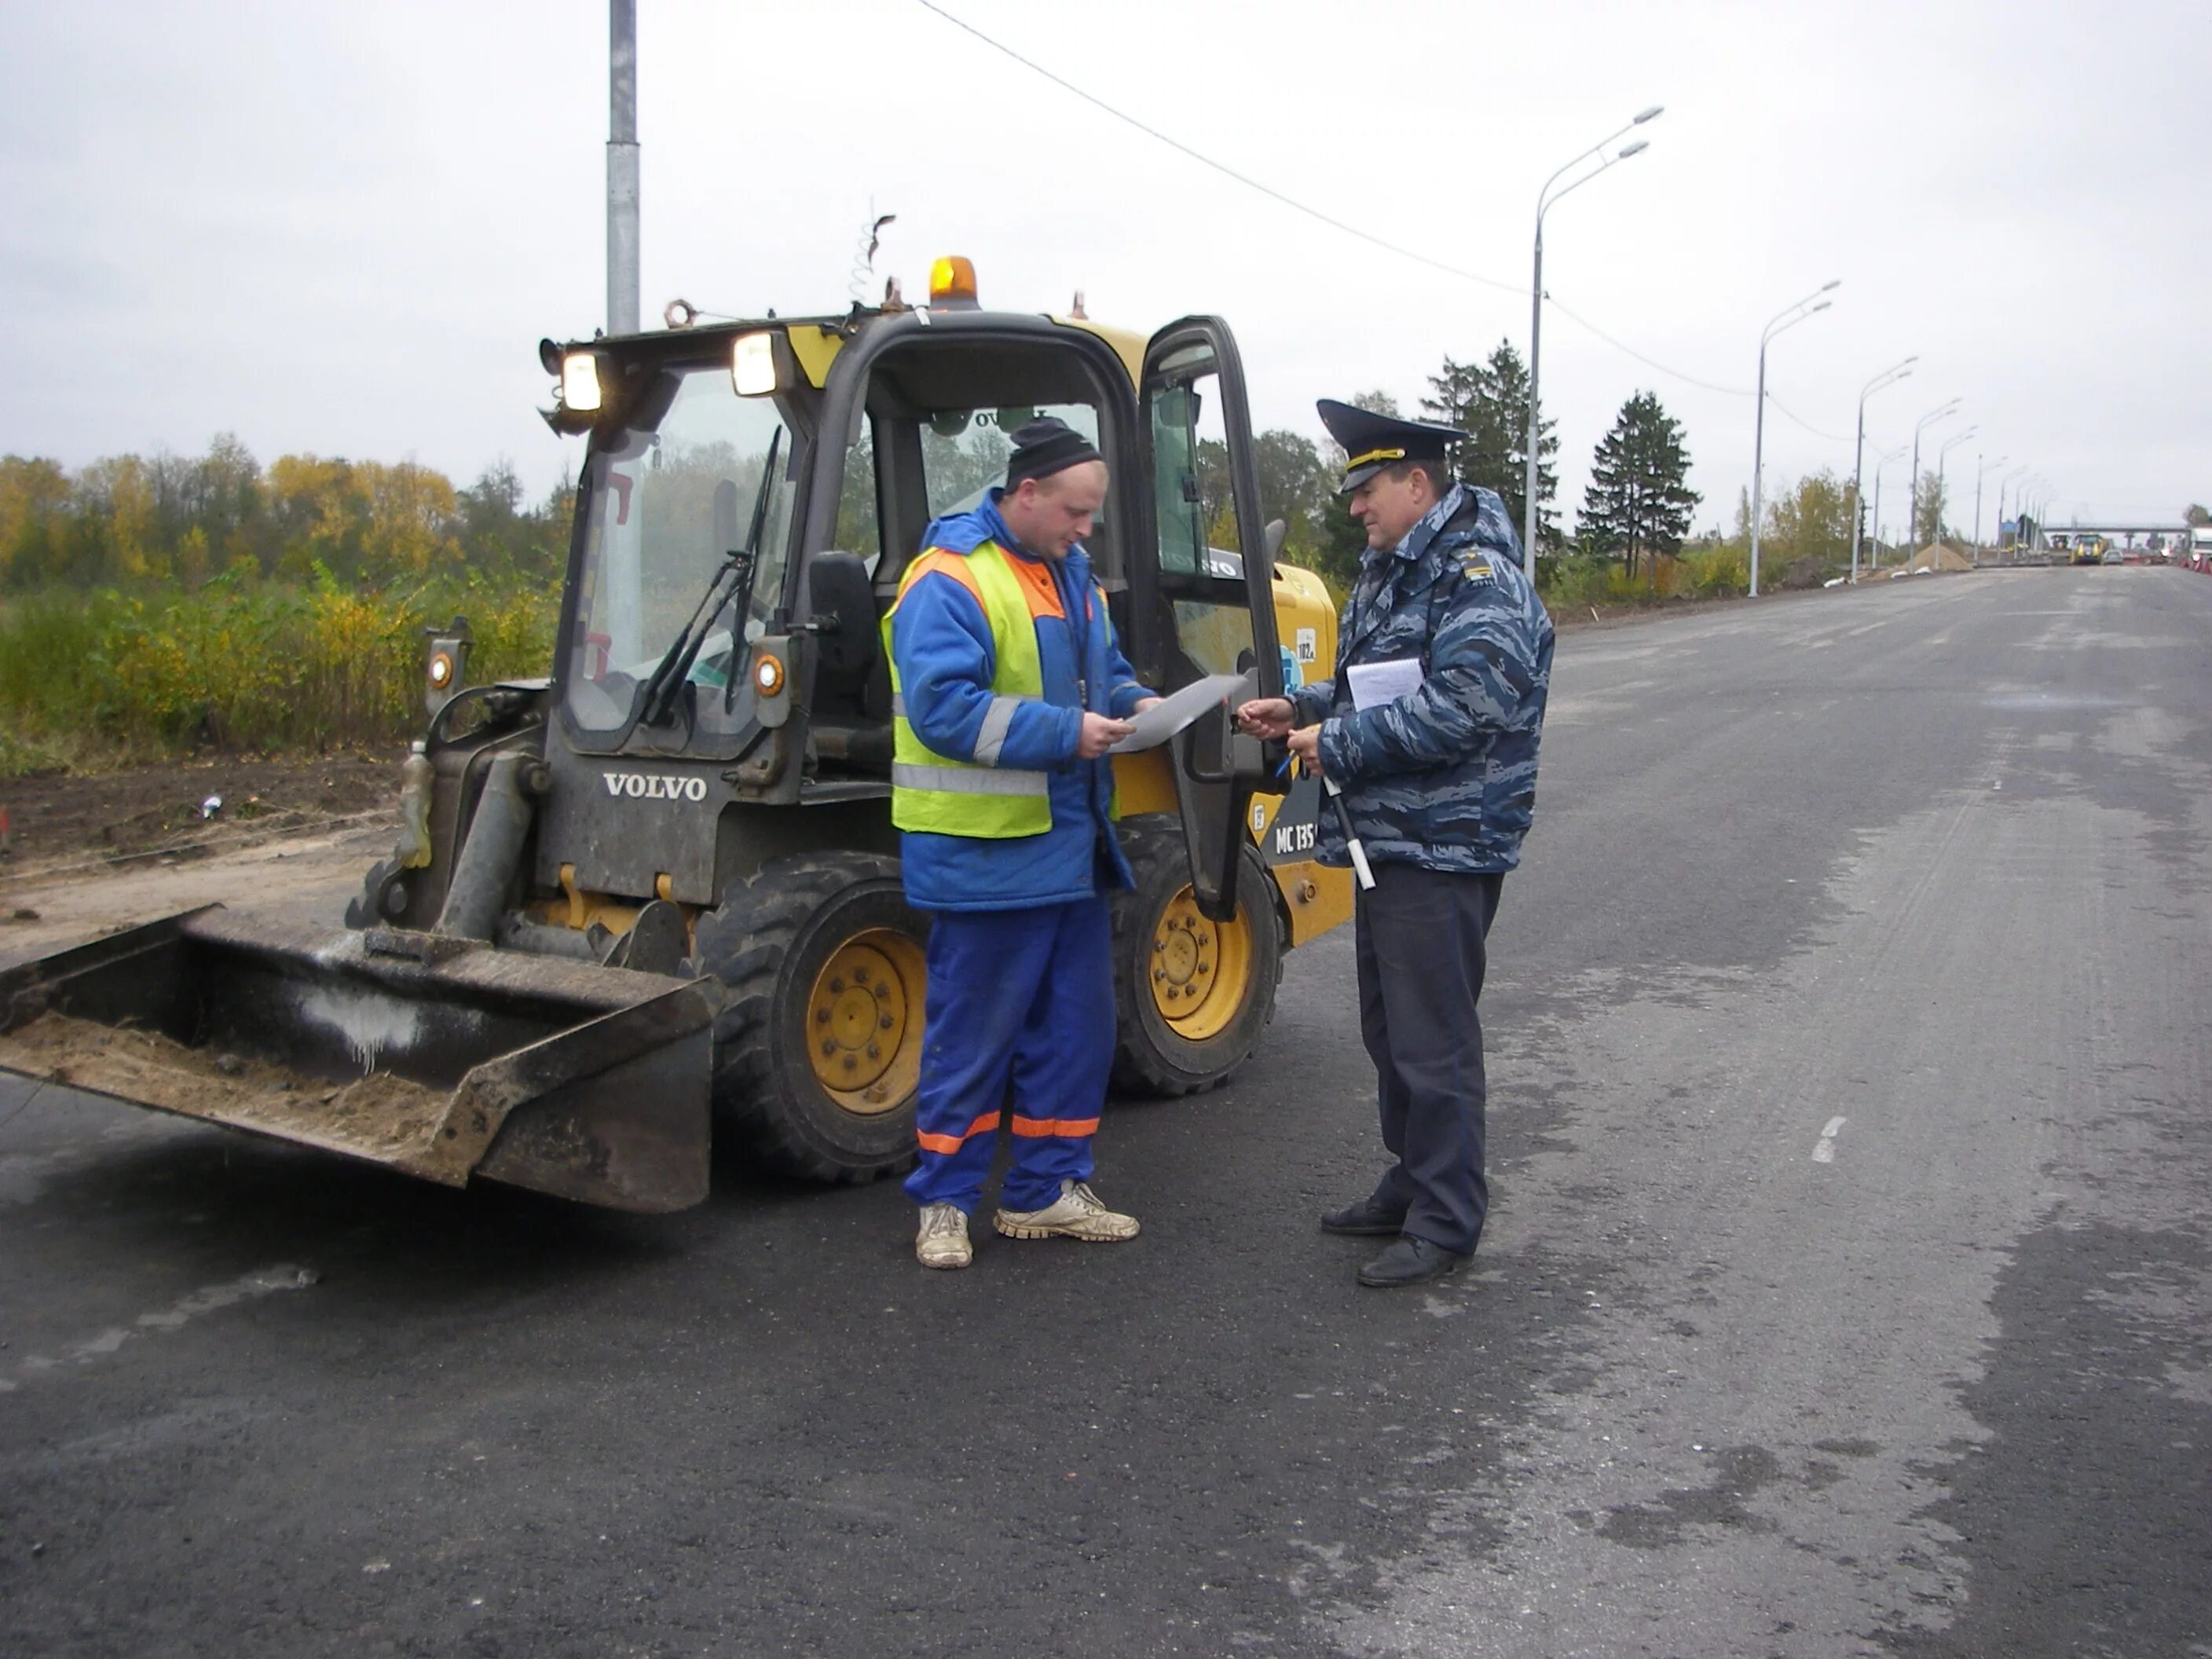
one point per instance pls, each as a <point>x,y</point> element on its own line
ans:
<point>2033,489</point>
<point>1889,376</point>
<point>1543,200</point>
<point>1788,317</point>
<point>1881,465</point>
<point>622,167</point>
<point>1981,471</point>
<point>2018,471</point>
<point>1949,444</point>
<point>1913,507</point>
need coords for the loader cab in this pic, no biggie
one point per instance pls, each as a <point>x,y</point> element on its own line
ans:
<point>738,541</point>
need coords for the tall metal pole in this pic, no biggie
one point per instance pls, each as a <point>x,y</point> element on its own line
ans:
<point>1879,466</point>
<point>1757,463</point>
<point>622,167</point>
<point>1942,456</point>
<point>1889,376</point>
<point>1981,471</point>
<point>1543,200</point>
<point>1535,424</point>
<point>2017,472</point>
<point>1913,501</point>
<point>1758,416</point>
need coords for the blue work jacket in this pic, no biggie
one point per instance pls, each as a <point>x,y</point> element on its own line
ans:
<point>942,642</point>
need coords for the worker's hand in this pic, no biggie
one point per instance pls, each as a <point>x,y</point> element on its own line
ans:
<point>1143,703</point>
<point>1100,733</point>
<point>1265,718</point>
<point>1305,744</point>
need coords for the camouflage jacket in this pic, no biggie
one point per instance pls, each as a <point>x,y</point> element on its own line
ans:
<point>1445,776</point>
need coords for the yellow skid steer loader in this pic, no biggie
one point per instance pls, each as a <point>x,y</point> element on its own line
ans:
<point>656,893</point>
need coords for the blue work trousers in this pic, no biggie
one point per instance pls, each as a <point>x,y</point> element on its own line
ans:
<point>1021,1000</point>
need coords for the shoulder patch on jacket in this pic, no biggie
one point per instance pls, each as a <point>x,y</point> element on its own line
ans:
<point>1474,565</point>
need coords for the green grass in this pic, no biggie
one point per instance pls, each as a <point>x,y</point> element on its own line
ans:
<point>89,680</point>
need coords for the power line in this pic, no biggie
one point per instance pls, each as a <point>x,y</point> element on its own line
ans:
<point>1226,171</point>
<point>1622,345</point>
<point>1354,231</point>
<point>1833,437</point>
<point>1316,214</point>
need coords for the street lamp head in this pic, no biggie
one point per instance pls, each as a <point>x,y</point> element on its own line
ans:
<point>1834,283</point>
<point>1627,150</point>
<point>1823,306</point>
<point>1651,114</point>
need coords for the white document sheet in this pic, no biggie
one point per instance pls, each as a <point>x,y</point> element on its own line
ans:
<point>1170,714</point>
<point>1374,683</point>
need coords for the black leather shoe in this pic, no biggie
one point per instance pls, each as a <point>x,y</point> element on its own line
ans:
<point>1411,1260</point>
<point>1365,1220</point>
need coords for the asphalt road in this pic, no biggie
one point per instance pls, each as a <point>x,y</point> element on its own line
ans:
<point>1846,1291</point>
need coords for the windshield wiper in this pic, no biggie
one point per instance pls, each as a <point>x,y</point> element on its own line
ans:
<point>732,580</point>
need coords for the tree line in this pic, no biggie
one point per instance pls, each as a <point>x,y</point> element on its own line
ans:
<point>136,521</point>
<point>128,520</point>
<point>1633,533</point>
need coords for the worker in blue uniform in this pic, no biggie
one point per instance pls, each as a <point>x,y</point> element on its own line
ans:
<point>1008,688</point>
<point>1429,726</point>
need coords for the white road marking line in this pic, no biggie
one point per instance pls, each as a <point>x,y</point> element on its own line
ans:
<point>1824,1149</point>
<point>282,1277</point>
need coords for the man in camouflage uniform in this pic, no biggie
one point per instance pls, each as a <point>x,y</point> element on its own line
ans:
<point>1439,780</point>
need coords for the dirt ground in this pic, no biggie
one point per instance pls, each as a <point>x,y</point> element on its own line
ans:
<point>147,812</point>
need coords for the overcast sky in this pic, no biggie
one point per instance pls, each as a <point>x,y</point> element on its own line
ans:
<point>342,228</point>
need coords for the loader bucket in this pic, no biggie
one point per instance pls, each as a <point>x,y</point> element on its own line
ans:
<point>438,1057</point>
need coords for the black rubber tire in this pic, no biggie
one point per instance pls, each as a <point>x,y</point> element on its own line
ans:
<point>768,941</point>
<point>1150,1056</point>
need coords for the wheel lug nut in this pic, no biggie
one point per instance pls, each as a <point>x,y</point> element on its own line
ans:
<point>837,984</point>
<point>851,1064</point>
<point>884,1023</point>
<point>874,1053</point>
<point>829,1047</point>
<point>821,1015</point>
<point>860,976</point>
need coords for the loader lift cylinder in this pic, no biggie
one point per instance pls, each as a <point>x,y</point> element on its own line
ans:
<point>484,871</point>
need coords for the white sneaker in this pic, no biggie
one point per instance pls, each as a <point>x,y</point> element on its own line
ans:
<point>1076,1214</point>
<point>943,1240</point>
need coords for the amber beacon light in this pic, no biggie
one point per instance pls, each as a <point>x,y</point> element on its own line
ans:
<point>952,280</point>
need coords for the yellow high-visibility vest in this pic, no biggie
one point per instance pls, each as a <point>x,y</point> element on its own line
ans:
<point>949,797</point>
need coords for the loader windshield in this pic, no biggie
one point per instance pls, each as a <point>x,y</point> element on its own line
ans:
<point>669,501</point>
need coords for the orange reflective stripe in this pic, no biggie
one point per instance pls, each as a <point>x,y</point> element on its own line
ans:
<point>954,565</point>
<point>1037,586</point>
<point>946,1146</point>
<point>1064,1129</point>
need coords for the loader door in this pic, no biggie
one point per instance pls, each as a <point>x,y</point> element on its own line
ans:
<point>1209,589</point>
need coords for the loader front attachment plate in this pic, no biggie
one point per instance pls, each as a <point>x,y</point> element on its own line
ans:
<point>437,1057</point>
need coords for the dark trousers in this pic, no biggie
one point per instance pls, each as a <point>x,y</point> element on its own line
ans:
<point>1422,955</point>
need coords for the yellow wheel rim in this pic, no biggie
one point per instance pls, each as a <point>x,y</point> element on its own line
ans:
<point>1201,970</point>
<point>864,1022</point>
